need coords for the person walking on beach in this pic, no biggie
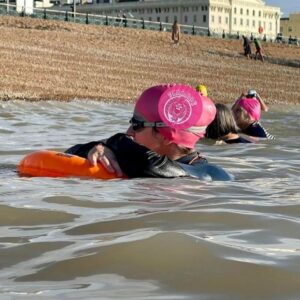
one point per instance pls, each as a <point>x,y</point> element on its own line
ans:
<point>258,50</point>
<point>247,47</point>
<point>175,32</point>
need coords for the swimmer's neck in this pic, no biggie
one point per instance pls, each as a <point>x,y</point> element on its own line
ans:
<point>230,136</point>
<point>174,152</point>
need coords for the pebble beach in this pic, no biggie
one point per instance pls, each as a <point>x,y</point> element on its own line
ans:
<point>56,60</point>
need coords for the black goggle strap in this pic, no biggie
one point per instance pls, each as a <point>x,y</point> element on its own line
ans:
<point>137,123</point>
<point>194,129</point>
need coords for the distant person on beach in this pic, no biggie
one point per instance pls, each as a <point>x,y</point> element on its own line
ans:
<point>201,88</point>
<point>247,111</point>
<point>258,52</point>
<point>167,122</point>
<point>246,46</point>
<point>223,128</point>
<point>175,32</point>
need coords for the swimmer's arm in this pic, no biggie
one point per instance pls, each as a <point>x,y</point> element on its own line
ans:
<point>263,105</point>
<point>138,161</point>
<point>238,99</point>
<point>95,152</point>
<point>82,150</point>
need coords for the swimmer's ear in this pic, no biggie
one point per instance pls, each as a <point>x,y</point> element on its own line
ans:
<point>162,139</point>
<point>165,141</point>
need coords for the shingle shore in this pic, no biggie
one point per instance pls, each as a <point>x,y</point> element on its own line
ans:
<point>45,60</point>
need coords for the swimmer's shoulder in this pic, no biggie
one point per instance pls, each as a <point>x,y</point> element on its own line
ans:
<point>207,171</point>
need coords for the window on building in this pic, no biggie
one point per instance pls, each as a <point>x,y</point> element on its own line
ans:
<point>253,23</point>
<point>234,10</point>
<point>158,19</point>
<point>212,19</point>
<point>290,29</point>
<point>202,8</point>
<point>259,23</point>
<point>175,18</point>
<point>270,26</point>
<point>226,20</point>
<point>220,20</point>
<point>234,21</point>
<point>205,7</point>
<point>241,22</point>
<point>247,22</point>
<point>204,18</point>
<point>241,11</point>
<point>259,13</point>
<point>253,13</point>
<point>167,19</point>
<point>150,19</point>
<point>185,19</point>
<point>195,18</point>
<point>247,12</point>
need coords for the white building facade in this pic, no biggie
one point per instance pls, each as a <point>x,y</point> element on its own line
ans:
<point>228,16</point>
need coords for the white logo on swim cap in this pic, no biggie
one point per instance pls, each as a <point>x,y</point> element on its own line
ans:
<point>180,107</point>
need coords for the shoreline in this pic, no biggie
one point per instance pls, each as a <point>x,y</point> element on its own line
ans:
<point>56,60</point>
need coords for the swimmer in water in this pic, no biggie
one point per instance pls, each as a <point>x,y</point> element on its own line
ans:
<point>223,128</point>
<point>160,141</point>
<point>247,111</point>
<point>201,88</point>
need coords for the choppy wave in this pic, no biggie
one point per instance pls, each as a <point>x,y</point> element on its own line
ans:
<point>147,238</point>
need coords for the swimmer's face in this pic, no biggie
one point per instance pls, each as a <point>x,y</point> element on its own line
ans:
<point>146,136</point>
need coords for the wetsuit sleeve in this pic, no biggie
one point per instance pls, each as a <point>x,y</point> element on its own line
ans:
<point>257,130</point>
<point>82,150</point>
<point>138,161</point>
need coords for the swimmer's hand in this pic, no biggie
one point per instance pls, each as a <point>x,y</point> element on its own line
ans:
<point>100,153</point>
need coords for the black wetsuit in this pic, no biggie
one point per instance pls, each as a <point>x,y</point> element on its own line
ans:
<point>257,130</point>
<point>237,140</point>
<point>138,161</point>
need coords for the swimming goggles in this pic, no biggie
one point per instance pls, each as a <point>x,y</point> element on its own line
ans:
<point>138,124</point>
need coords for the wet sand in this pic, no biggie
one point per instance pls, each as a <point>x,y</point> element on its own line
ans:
<point>45,60</point>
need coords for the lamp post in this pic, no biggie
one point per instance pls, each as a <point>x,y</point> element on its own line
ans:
<point>74,10</point>
<point>276,23</point>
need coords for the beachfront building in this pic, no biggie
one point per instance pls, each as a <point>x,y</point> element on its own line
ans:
<point>290,26</point>
<point>228,16</point>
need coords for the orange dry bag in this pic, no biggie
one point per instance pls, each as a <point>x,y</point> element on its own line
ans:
<point>58,164</point>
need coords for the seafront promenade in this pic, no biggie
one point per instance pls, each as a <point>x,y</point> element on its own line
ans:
<point>43,59</point>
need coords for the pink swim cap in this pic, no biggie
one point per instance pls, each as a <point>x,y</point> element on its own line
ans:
<point>181,108</point>
<point>252,107</point>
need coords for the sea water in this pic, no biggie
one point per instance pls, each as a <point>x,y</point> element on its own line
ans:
<point>147,238</point>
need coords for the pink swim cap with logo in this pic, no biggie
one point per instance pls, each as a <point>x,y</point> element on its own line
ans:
<point>185,113</point>
<point>252,107</point>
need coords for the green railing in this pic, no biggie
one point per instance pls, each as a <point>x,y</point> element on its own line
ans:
<point>70,16</point>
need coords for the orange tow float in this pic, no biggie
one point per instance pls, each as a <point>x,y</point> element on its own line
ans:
<point>47,163</point>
